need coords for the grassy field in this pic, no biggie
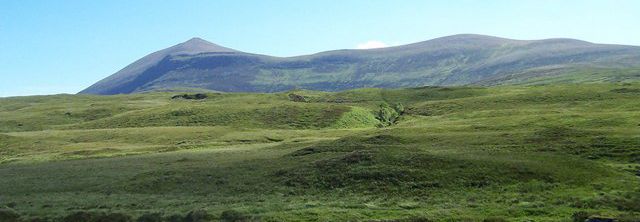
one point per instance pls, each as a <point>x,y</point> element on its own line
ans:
<point>516,153</point>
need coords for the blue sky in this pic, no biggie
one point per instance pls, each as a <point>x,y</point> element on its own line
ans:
<point>49,47</point>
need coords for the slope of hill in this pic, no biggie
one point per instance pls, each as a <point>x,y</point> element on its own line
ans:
<point>446,61</point>
<point>509,153</point>
<point>145,69</point>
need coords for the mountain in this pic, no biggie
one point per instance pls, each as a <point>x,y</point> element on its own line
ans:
<point>453,60</point>
<point>145,69</point>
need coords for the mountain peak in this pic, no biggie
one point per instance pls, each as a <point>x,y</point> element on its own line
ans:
<point>197,45</point>
<point>197,40</point>
<point>472,38</point>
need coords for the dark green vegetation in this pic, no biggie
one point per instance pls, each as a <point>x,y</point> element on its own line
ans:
<point>388,115</point>
<point>526,153</point>
<point>198,65</point>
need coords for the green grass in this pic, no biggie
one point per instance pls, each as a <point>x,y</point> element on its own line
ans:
<point>520,153</point>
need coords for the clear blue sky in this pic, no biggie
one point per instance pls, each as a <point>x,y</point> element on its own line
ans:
<point>49,47</point>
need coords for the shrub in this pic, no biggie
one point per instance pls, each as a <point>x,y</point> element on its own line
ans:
<point>387,115</point>
<point>399,108</point>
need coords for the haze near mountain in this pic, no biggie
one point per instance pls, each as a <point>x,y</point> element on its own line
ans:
<point>454,60</point>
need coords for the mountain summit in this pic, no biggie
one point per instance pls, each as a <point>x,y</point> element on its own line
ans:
<point>465,59</point>
<point>197,45</point>
<point>128,79</point>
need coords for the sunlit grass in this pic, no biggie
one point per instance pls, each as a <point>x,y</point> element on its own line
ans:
<point>520,153</point>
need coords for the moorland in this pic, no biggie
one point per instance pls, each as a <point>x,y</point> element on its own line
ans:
<point>561,152</point>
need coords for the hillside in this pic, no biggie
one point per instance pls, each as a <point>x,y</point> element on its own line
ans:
<point>448,61</point>
<point>509,153</point>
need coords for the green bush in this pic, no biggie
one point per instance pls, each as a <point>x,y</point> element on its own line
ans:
<point>387,115</point>
<point>399,108</point>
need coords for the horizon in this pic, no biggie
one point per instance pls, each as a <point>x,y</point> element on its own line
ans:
<point>86,42</point>
<point>374,45</point>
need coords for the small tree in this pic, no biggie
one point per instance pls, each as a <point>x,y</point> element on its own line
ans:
<point>387,115</point>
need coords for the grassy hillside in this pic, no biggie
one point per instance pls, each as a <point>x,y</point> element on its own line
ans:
<point>518,153</point>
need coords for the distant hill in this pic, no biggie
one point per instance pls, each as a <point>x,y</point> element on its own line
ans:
<point>453,60</point>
